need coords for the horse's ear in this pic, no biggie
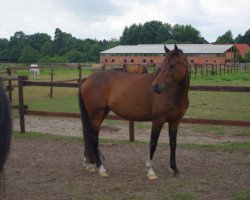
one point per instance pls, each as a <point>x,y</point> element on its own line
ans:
<point>166,49</point>
<point>176,50</point>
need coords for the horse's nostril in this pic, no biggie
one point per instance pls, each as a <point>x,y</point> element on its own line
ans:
<point>155,86</point>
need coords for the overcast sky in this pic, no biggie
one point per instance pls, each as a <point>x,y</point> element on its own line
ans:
<point>106,19</point>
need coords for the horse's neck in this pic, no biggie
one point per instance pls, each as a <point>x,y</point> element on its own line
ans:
<point>181,90</point>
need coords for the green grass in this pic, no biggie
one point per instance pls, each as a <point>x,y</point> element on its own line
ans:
<point>228,146</point>
<point>242,195</point>
<point>225,146</point>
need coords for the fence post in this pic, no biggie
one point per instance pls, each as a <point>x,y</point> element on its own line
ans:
<point>195,71</point>
<point>9,84</point>
<point>80,73</point>
<point>131,131</point>
<point>51,80</point>
<point>201,70</point>
<point>206,70</point>
<point>21,102</point>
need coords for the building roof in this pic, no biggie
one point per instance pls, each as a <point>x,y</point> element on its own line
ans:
<point>159,49</point>
<point>243,48</point>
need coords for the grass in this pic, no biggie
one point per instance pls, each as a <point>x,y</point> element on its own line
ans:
<point>225,146</point>
<point>242,195</point>
<point>228,146</point>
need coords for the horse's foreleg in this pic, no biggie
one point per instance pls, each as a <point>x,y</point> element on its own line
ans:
<point>87,166</point>
<point>173,127</point>
<point>155,133</point>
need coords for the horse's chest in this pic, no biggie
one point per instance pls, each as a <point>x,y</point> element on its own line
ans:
<point>171,109</point>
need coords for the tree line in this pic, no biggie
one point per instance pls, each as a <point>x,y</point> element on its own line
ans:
<point>40,47</point>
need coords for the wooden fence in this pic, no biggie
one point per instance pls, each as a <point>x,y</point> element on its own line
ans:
<point>218,69</point>
<point>23,109</point>
<point>9,73</point>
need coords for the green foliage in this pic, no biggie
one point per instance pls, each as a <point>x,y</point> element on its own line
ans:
<point>29,55</point>
<point>226,38</point>
<point>243,38</point>
<point>64,47</point>
<point>242,195</point>
<point>156,32</point>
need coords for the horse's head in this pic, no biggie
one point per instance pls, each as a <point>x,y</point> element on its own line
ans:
<point>174,69</point>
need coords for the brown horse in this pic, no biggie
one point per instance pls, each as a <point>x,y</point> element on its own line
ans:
<point>160,98</point>
<point>133,68</point>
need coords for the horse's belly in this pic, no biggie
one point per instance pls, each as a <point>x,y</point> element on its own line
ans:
<point>136,111</point>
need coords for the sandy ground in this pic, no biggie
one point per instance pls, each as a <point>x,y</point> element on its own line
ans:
<point>72,127</point>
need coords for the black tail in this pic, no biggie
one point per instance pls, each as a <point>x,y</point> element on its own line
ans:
<point>5,127</point>
<point>90,140</point>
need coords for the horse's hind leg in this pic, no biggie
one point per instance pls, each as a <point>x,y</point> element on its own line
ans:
<point>155,133</point>
<point>96,125</point>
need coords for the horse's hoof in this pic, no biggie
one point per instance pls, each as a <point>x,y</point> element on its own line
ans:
<point>90,170</point>
<point>177,175</point>
<point>103,174</point>
<point>152,177</point>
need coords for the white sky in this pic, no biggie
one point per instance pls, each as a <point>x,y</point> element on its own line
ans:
<point>106,19</point>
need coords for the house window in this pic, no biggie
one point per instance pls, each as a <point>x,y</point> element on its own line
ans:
<point>192,61</point>
<point>151,60</point>
<point>125,60</point>
<point>113,60</point>
<point>206,61</point>
<point>144,60</point>
<point>132,60</point>
<point>106,60</point>
<point>214,61</point>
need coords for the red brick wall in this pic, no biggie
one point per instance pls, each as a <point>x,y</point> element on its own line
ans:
<point>158,59</point>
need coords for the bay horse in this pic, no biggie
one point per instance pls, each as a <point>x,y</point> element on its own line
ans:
<point>160,97</point>
<point>135,68</point>
<point>5,133</point>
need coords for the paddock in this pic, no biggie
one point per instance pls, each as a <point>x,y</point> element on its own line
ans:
<point>214,160</point>
<point>53,170</point>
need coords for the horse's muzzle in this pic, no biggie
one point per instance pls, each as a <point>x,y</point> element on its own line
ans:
<point>158,88</point>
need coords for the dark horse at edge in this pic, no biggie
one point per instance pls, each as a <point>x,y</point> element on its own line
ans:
<point>160,97</point>
<point>5,133</point>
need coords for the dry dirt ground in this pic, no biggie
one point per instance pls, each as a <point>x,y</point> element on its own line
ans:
<point>41,168</point>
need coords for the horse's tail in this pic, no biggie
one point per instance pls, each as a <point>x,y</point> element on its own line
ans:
<point>5,127</point>
<point>90,140</point>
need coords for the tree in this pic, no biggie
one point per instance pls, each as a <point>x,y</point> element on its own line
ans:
<point>226,38</point>
<point>164,33</point>
<point>4,50</point>
<point>58,40</point>
<point>149,32</point>
<point>186,34</point>
<point>17,42</point>
<point>37,40</point>
<point>131,35</point>
<point>243,39</point>
<point>73,56</point>
<point>29,55</point>
<point>47,49</point>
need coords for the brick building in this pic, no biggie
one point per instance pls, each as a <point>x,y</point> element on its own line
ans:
<point>148,54</point>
